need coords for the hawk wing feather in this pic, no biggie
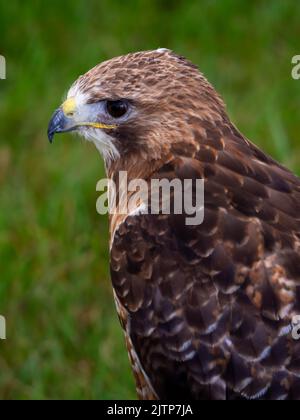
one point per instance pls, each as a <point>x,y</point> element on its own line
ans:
<point>209,307</point>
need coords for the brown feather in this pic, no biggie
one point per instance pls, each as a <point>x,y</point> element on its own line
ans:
<point>206,309</point>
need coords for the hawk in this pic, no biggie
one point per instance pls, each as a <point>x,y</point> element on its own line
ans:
<point>207,309</point>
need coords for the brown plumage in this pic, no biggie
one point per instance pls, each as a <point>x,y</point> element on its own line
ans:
<point>206,310</point>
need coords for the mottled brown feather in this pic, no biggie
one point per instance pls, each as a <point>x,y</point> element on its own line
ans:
<point>206,309</point>
<point>227,288</point>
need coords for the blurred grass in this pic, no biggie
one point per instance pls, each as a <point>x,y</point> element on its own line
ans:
<point>64,340</point>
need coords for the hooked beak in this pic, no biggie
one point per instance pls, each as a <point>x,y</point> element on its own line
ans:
<point>59,123</point>
<point>63,120</point>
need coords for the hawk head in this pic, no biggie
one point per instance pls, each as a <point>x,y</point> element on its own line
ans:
<point>145,104</point>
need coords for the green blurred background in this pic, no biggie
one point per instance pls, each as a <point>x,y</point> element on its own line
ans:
<point>64,339</point>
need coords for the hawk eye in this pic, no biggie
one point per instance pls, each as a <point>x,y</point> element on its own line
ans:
<point>116,109</point>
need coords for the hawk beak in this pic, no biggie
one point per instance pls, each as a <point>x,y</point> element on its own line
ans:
<point>58,124</point>
<point>63,121</point>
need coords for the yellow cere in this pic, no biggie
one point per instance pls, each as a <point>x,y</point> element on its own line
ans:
<point>69,106</point>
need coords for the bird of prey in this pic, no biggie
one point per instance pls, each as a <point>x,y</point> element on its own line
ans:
<point>207,309</point>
